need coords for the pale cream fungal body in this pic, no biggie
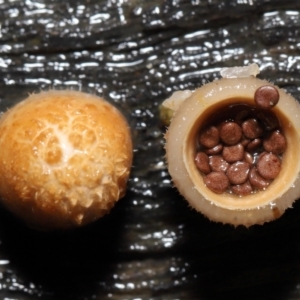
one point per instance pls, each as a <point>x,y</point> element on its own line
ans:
<point>65,158</point>
<point>256,208</point>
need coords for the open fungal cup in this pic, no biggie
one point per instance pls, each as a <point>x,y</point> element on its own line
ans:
<point>65,159</point>
<point>232,148</point>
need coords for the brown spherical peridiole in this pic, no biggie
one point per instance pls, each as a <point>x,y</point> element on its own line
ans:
<point>248,207</point>
<point>65,159</point>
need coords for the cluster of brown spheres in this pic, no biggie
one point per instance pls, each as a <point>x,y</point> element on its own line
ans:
<point>240,150</point>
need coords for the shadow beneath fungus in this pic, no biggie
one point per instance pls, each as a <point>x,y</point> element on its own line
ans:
<point>260,262</point>
<point>67,264</point>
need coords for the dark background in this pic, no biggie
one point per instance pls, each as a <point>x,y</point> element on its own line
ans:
<point>135,53</point>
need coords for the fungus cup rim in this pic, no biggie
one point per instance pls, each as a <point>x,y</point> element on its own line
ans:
<point>259,207</point>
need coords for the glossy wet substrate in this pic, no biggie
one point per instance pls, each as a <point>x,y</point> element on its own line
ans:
<point>135,54</point>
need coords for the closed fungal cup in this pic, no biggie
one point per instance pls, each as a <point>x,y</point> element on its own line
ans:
<point>65,159</point>
<point>232,148</point>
